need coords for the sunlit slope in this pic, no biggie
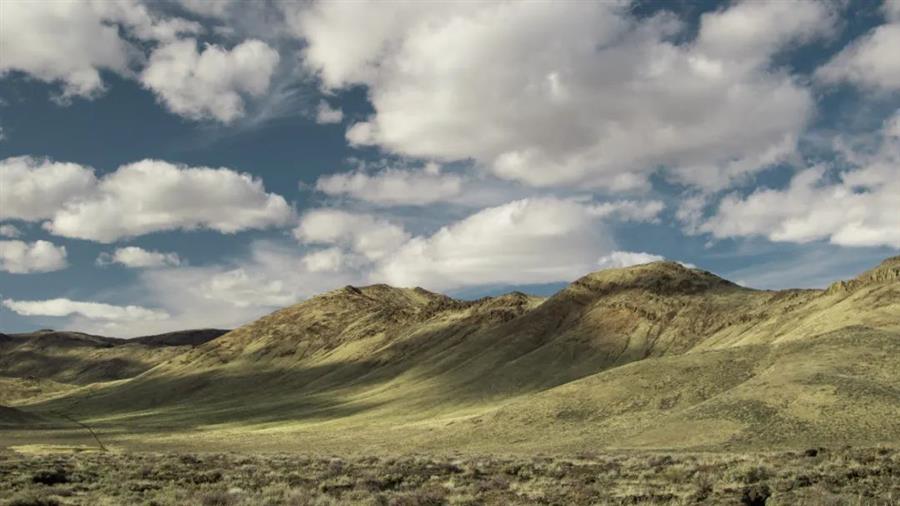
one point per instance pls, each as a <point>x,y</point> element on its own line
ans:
<point>654,355</point>
<point>871,299</point>
<point>842,387</point>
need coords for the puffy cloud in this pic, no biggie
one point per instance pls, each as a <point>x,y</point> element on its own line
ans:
<point>141,22</point>
<point>607,102</point>
<point>328,260</point>
<point>10,231</point>
<point>859,208</point>
<point>90,310</point>
<point>871,60</point>
<point>629,210</point>
<point>211,83</point>
<point>243,290</point>
<point>366,235</point>
<point>525,241</point>
<point>812,208</point>
<point>749,32</point>
<point>618,259</point>
<point>139,198</point>
<point>33,188</point>
<point>135,257</point>
<point>152,195</point>
<point>20,257</point>
<point>326,114</point>
<point>71,42</point>
<point>391,187</point>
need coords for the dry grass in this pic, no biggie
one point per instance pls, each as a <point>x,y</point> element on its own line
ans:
<point>847,476</point>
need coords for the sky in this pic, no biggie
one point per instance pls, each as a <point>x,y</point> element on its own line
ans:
<point>200,163</point>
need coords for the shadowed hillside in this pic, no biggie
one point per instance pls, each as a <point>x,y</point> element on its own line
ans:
<point>655,355</point>
<point>48,362</point>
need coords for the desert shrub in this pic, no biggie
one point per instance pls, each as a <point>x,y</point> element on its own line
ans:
<point>216,498</point>
<point>54,477</point>
<point>432,496</point>
<point>703,489</point>
<point>337,485</point>
<point>206,477</point>
<point>750,474</point>
<point>32,498</point>
<point>336,467</point>
<point>755,495</point>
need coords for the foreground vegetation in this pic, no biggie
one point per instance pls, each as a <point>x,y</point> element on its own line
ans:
<point>814,477</point>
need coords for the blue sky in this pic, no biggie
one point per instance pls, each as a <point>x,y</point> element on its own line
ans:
<point>195,163</point>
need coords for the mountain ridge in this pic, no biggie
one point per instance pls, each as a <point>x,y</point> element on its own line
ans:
<point>629,357</point>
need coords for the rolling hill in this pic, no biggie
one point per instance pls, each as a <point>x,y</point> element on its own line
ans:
<point>78,358</point>
<point>652,356</point>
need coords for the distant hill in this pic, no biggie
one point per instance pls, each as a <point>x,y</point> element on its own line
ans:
<point>78,358</point>
<point>193,337</point>
<point>657,355</point>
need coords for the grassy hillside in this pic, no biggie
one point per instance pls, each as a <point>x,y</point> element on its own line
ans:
<point>653,356</point>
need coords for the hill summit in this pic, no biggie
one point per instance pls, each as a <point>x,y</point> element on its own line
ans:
<point>663,277</point>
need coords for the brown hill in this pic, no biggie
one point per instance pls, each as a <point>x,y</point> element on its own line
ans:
<point>652,355</point>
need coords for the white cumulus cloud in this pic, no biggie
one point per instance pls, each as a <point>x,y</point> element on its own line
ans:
<point>211,83</point>
<point>391,187</point>
<point>629,210</point>
<point>35,188</point>
<point>19,257</point>
<point>871,60</point>
<point>328,260</point>
<point>136,199</point>
<point>72,41</point>
<point>243,289</point>
<point>135,257</point>
<point>578,93</point>
<point>525,241</point>
<point>363,234</point>
<point>857,208</point>
<point>619,259</point>
<point>531,240</point>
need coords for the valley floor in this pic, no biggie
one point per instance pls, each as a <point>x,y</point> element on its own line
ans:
<point>89,477</point>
